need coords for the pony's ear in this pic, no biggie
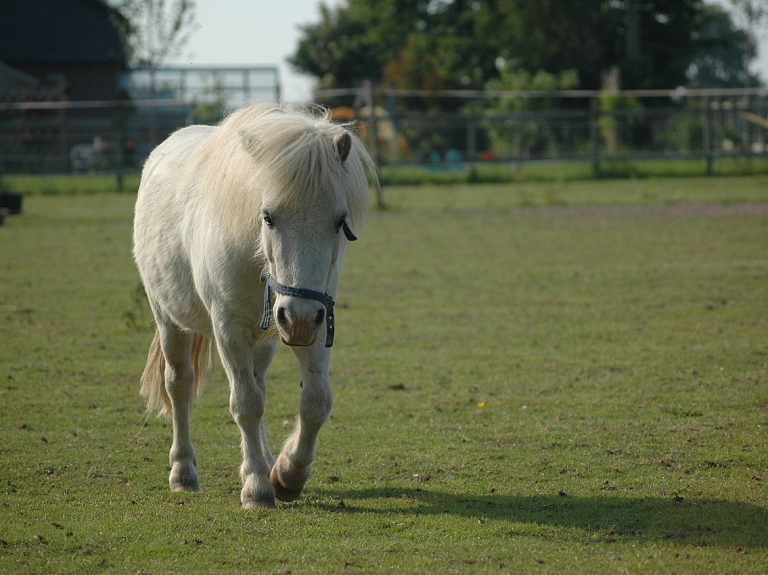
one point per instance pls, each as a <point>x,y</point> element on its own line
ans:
<point>249,141</point>
<point>343,144</point>
<point>348,232</point>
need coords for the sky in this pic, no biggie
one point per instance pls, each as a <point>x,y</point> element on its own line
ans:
<point>260,32</point>
<point>254,32</point>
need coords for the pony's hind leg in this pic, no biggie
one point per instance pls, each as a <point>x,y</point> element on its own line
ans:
<point>179,383</point>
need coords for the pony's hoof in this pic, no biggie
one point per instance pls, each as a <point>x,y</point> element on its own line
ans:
<point>260,503</point>
<point>183,478</point>
<point>281,492</point>
<point>176,487</point>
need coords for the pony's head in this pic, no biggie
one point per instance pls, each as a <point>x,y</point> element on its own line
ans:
<point>314,191</point>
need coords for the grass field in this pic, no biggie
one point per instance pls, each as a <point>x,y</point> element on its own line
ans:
<point>397,176</point>
<point>568,171</point>
<point>529,378</point>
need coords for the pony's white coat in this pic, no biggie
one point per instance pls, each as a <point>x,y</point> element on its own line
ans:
<point>267,190</point>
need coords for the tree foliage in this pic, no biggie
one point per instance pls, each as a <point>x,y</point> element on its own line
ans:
<point>719,61</point>
<point>752,16</point>
<point>156,30</point>
<point>525,134</point>
<point>449,44</point>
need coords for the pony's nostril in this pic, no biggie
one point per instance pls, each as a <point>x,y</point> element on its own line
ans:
<point>319,317</point>
<point>281,316</point>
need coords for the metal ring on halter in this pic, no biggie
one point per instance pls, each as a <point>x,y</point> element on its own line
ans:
<point>323,298</point>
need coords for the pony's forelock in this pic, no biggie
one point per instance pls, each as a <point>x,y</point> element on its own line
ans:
<point>287,150</point>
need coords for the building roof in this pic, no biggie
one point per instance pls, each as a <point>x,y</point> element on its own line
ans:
<point>12,79</point>
<point>59,31</point>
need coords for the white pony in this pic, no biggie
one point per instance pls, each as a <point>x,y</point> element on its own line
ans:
<point>228,219</point>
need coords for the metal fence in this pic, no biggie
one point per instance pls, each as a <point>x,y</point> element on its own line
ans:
<point>593,126</point>
<point>516,127</point>
<point>40,131</point>
<point>80,137</point>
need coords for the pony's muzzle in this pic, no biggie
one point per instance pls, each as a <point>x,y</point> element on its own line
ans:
<point>299,321</point>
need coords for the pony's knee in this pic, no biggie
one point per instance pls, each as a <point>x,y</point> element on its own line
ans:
<point>316,407</point>
<point>247,410</point>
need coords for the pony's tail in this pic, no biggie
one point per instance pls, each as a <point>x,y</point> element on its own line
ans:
<point>153,378</point>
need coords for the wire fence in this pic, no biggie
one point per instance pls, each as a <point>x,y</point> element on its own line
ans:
<point>49,135</point>
<point>82,137</point>
<point>526,126</point>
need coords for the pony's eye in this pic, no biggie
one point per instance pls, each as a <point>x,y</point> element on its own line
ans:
<point>340,223</point>
<point>268,220</point>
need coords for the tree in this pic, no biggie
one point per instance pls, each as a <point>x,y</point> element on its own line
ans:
<point>155,31</point>
<point>526,135</point>
<point>443,44</point>
<point>398,41</point>
<point>591,36</point>
<point>337,50</point>
<point>719,61</point>
<point>751,16</point>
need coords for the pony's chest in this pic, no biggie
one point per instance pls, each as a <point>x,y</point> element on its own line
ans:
<point>236,287</point>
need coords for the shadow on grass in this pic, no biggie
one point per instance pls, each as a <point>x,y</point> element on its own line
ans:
<point>697,522</point>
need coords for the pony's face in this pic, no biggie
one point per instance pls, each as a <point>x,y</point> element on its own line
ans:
<point>303,249</point>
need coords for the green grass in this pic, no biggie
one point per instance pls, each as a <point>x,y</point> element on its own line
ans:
<point>569,171</point>
<point>575,389</point>
<point>555,172</point>
<point>650,191</point>
<point>56,185</point>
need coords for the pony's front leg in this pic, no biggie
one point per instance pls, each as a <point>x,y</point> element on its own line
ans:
<point>246,403</point>
<point>263,354</point>
<point>291,470</point>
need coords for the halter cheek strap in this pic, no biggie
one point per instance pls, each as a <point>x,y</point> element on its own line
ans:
<point>323,298</point>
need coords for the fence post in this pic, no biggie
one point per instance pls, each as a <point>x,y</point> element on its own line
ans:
<point>707,133</point>
<point>594,132</point>
<point>761,130</point>
<point>471,140</point>
<point>746,137</point>
<point>63,163</point>
<point>374,140</point>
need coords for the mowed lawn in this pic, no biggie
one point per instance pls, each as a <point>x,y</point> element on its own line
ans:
<point>529,378</point>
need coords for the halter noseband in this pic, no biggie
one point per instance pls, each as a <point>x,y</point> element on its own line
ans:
<point>323,298</point>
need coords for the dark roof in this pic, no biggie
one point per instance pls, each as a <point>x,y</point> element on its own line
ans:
<point>58,31</point>
<point>12,79</point>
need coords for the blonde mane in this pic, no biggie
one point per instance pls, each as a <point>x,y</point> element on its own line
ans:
<point>280,149</point>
